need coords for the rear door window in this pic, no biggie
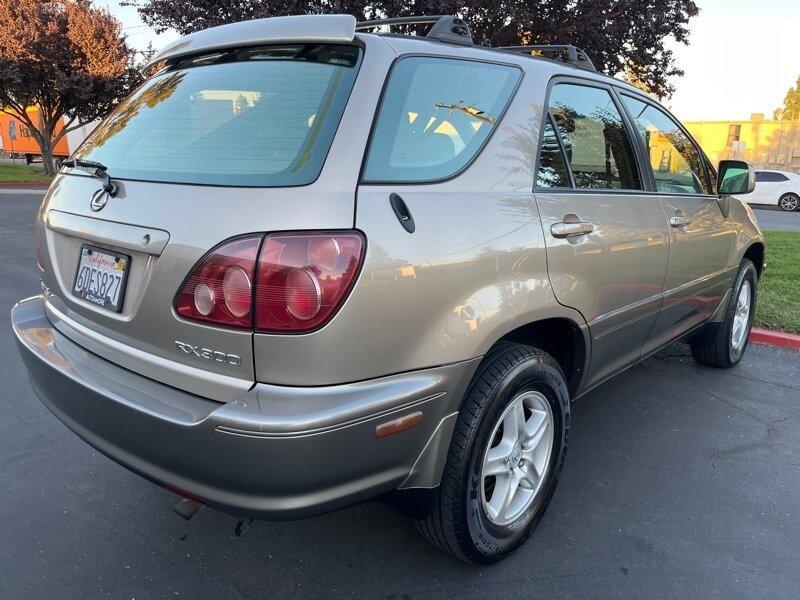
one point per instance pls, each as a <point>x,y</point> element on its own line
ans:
<point>596,143</point>
<point>770,177</point>
<point>263,116</point>
<point>676,162</point>
<point>552,171</point>
<point>435,116</point>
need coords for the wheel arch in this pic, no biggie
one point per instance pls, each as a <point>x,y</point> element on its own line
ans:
<point>563,339</point>
<point>755,254</point>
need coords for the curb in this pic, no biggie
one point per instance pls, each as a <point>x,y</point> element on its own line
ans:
<point>775,338</point>
<point>17,191</point>
<point>27,185</point>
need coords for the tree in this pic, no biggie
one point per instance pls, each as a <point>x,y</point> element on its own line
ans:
<point>66,58</point>
<point>791,104</point>
<point>621,36</point>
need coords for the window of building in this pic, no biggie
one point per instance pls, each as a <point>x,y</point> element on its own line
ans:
<point>734,134</point>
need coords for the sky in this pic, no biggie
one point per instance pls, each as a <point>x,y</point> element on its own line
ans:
<point>742,56</point>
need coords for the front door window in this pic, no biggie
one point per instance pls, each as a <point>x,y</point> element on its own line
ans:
<point>676,162</point>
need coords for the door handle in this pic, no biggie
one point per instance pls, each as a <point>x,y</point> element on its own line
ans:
<point>679,221</point>
<point>402,213</point>
<point>566,229</point>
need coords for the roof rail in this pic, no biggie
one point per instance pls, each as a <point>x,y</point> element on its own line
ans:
<point>574,56</point>
<point>445,28</point>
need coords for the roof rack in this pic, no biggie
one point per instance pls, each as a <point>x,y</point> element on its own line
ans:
<point>574,56</point>
<point>449,29</point>
<point>453,30</point>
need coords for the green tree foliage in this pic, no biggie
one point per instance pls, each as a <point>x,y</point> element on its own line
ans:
<point>621,36</point>
<point>791,104</point>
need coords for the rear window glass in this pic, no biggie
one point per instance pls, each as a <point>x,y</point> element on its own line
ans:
<point>435,116</point>
<point>246,117</point>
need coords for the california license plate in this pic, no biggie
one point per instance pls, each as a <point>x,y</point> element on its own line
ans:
<point>101,277</point>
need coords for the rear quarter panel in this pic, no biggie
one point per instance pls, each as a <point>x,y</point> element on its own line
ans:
<point>473,270</point>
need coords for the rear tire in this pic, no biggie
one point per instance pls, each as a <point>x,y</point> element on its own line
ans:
<point>722,345</point>
<point>514,384</point>
<point>789,202</point>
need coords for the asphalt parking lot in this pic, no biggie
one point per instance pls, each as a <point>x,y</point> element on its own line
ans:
<point>773,219</point>
<point>680,482</point>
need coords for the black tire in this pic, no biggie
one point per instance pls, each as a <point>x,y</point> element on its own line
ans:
<point>713,346</point>
<point>789,202</point>
<point>457,522</point>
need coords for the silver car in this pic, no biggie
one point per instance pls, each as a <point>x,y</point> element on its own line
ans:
<point>310,263</point>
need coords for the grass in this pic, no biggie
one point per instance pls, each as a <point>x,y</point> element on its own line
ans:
<point>778,306</point>
<point>22,173</point>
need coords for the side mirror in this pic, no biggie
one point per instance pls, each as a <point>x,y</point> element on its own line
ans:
<point>735,177</point>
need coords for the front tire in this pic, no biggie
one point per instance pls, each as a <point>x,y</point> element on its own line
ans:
<point>510,439</point>
<point>722,345</point>
<point>789,202</point>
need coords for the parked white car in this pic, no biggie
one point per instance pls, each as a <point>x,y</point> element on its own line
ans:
<point>778,188</point>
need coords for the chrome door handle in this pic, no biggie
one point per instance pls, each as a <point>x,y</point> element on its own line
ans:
<point>565,229</point>
<point>679,221</point>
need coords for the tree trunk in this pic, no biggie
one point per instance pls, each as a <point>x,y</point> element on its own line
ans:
<point>46,144</point>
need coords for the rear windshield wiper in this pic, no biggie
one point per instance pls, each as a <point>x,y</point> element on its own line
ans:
<point>97,169</point>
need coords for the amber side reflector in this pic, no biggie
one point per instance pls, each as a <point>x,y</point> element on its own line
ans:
<point>398,425</point>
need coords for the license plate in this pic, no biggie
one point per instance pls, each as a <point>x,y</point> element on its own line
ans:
<point>101,277</point>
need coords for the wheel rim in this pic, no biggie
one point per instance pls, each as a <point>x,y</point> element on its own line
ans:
<point>517,458</point>
<point>741,317</point>
<point>789,202</point>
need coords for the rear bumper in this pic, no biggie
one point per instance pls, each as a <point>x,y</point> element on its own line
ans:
<point>274,453</point>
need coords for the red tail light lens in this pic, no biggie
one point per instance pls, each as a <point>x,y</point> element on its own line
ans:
<point>220,288</point>
<point>298,280</point>
<point>303,279</point>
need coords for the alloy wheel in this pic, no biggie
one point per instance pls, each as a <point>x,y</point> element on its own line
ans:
<point>741,317</point>
<point>789,202</point>
<point>517,458</point>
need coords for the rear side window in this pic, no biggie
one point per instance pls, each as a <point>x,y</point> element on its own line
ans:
<point>262,116</point>
<point>596,143</point>
<point>552,172</point>
<point>676,162</point>
<point>435,116</point>
<point>770,177</point>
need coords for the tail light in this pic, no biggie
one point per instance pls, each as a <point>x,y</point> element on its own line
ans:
<point>220,289</point>
<point>295,283</point>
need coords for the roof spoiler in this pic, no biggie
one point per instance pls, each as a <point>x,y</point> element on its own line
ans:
<point>301,28</point>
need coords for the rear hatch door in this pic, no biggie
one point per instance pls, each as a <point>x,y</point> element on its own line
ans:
<point>215,148</point>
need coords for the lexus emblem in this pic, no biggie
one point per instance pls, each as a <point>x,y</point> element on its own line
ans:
<point>99,200</point>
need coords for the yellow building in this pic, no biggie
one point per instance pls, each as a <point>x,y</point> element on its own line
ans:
<point>767,144</point>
